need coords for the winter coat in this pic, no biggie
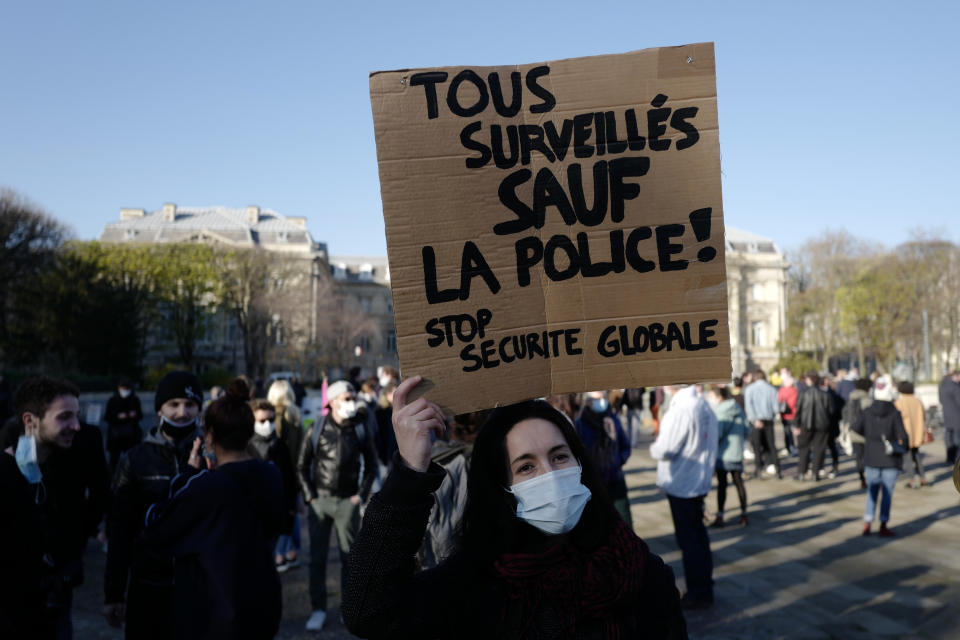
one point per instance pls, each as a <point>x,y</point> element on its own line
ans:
<point>950,401</point>
<point>733,427</point>
<point>290,432</point>
<point>329,460</point>
<point>142,478</point>
<point>878,421</point>
<point>686,447</point>
<point>386,598</point>
<point>911,411</point>
<point>221,526</point>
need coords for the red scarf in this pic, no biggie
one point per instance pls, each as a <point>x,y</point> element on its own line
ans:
<point>597,585</point>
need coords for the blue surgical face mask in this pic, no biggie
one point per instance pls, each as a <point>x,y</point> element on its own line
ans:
<point>599,405</point>
<point>552,502</point>
<point>27,459</point>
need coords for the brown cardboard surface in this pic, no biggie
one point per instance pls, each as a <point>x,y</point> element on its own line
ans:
<point>432,198</point>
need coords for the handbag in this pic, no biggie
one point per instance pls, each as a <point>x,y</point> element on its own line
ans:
<point>784,407</point>
<point>892,448</point>
<point>927,436</point>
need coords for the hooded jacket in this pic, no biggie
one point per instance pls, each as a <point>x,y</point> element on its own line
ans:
<point>878,421</point>
<point>733,427</point>
<point>686,449</point>
<point>220,527</point>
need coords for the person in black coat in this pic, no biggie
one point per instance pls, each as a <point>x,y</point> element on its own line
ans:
<point>122,415</point>
<point>541,551</point>
<point>882,427</point>
<point>220,525</point>
<point>265,445</point>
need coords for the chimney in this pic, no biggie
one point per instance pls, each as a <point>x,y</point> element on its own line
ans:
<point>169,212</point>
<point>300,221</point>
<point>130,214</point>
<point>253,214</point>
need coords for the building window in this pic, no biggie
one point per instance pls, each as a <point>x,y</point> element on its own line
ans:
<point>756,291</point>
<point>365,304</point>
<point>757,337</point>
<point>392,341</point>
<point>364,343</point>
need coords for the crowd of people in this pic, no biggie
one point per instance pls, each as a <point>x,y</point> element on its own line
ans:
<point>511,522</point>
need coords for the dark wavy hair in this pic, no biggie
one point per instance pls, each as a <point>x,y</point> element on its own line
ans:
<point>490,527</point>
<point>229,418</point>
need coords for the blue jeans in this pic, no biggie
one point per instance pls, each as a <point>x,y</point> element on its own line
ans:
<point>288,542</point>
<point>877,479</point>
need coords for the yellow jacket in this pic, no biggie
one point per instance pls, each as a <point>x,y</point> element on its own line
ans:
<point>911,410</point>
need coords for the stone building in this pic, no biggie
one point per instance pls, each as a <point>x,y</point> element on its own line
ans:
<point>757,294</point>
<point>365,284</point>
<point>300,277</point>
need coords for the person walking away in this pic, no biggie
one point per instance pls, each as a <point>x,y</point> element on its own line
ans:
<point>541,552</point>
<point>787,396</point>
<point>814,415</point>
<point>288,428</point>
<point>686,454</point>
<point>911,412</point>
<point>950,403</point>
<point>760,403</point>
<point>881,425</point>
<point>834,432</point>
<point>858,400</point>
<point>122,415</point>
<point>219,525</point>
<point>138,582</point>
<point>265,445</point>
<point>609,447</point>
<point>328,469</point>
<point>48,522</point>
<point>733,429</point>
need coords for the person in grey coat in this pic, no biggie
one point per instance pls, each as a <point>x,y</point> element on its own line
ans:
<point>950,402</point>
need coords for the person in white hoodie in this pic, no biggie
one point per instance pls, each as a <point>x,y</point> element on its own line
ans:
<point>686,451</point>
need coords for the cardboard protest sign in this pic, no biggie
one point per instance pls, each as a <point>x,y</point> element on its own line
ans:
<point>555,227</point>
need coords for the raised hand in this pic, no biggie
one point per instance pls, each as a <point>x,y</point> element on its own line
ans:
<point>412,424</point>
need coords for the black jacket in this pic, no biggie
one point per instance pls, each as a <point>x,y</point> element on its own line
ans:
<point>385,598</point>
<point>329,460</point>
<point>143,477</point>
<point>881,420</point>
<point>273,450</point>
<point>815,410</point>
<point>220,527</point>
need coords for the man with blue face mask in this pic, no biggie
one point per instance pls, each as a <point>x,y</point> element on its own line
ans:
<point>43,523</point>
<point>138,583</point>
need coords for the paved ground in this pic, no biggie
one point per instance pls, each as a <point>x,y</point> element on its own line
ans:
<point>799,570</point>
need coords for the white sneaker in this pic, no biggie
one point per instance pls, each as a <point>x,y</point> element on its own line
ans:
<point>317,618</point>
<point>747,454</point>
<point>771,469</point>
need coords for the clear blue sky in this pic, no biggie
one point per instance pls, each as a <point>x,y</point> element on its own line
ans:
<point>832,114</point>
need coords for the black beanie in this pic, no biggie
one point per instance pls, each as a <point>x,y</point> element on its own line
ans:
<point>178,384</point>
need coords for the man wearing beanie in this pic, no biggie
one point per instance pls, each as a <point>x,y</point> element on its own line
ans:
<point>328,469</point>
<point>138,583</point>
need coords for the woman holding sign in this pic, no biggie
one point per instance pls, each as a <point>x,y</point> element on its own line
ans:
<point>541,552</point>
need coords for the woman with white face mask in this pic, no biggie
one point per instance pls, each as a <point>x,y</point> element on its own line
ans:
<point>540,552</point>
